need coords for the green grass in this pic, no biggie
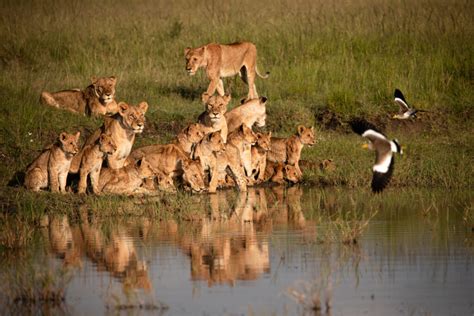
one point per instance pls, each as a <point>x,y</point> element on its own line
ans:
<point>343,58</point>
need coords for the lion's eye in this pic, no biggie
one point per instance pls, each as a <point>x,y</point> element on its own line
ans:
<point>195,58</point>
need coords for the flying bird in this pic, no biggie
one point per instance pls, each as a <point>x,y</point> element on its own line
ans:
<point>384,149</point>
<point>406,111</point>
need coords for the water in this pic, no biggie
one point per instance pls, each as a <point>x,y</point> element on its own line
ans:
<point>273,251</point>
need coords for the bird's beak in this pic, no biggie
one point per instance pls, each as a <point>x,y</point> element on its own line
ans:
<point>365,146</point>
<point>402,149</point>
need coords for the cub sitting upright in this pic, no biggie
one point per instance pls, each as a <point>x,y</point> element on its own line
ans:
<point>288,150</point>
<point>225,61</point>
<point>213,117</point>
<point>91,163</point>
<point>52,165</point>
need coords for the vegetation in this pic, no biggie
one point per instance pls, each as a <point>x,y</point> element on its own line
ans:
<point>328,62</point>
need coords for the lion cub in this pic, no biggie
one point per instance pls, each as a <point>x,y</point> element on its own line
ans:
<point>126,180</point>
<point>278,172</point>
<point>206,152</point>
<point>52,165</point>
<point>96,99</point>
<point>259,157</point>
<point>91,163</point>
<point>213,117</point>
<point>235,156</point>
<point>288,150</point>
<point>189,136</point>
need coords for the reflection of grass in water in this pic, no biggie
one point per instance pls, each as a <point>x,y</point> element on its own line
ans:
<point>33,288</point>
<point>15,232</point>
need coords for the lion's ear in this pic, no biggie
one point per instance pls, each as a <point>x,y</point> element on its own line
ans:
<point>301,129</point>
<point>312,129</point>
<point>205,97</point>
<point>143,106</point>
<point>227,98</point>
<point>269,134</point>
<point>78,134</point>
<point>94,80</point>
<point>113,78</point>
<point>62,137</point>
<point>123,107</point>
<point>186,50</point>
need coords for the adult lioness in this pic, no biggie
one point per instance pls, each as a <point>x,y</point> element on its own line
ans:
<point>213,117</point>
<point>224,61</point>
<point>249,113</point>
<point>122,127</point>
<point>96,99</point>
<point>51,167</point>
<point>288,150</point>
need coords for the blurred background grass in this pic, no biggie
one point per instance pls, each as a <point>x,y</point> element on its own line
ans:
<point>336,58</point>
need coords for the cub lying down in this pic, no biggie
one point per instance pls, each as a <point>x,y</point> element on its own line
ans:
<point>126,180</point>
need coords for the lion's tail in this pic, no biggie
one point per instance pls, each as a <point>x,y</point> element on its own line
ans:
<point>263,77</point>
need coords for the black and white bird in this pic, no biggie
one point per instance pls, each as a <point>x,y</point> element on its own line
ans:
<point>384,149</point>
<point>406,111</point>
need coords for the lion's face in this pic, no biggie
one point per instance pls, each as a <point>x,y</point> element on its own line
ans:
<point>216,142</point>
<point>248,135</point>
<point>263,140</point>
<point>68,143</point>
<point>291,174</point>
<point>192,175</point>
<point>107,144</point>
<point>133,117</point>
<point>306,135</point>
<point>216,105</point>
<point>104,88</point>
<point>194,59</point>
<point>195,132</point>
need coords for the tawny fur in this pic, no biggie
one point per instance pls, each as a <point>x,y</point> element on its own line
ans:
<point>173,162</point>
<point>249,113</point>
<point>220,61</point>
<point>213,117</point>
<point>122,127</point>
<point>51,167</point>
<point>126,180</point>
<point>206,151</point>
<point>259,157</point>
<point>96,99</point>
<point>288,150</point>
<point>92,158</point>
<point>237,154</point>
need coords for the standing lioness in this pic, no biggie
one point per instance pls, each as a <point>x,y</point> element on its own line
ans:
<point>225,61</point>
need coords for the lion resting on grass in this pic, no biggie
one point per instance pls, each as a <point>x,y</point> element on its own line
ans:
<point>171,161</point>
<point>96,99</point>
<point>222,61</point>
<point>126,180</point>
<point>52,165</point>
<point>249,113</point>
<point>288,150</point>
<point>279,172</point>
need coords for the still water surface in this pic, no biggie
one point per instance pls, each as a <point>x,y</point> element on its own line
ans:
<point>276,251</point>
